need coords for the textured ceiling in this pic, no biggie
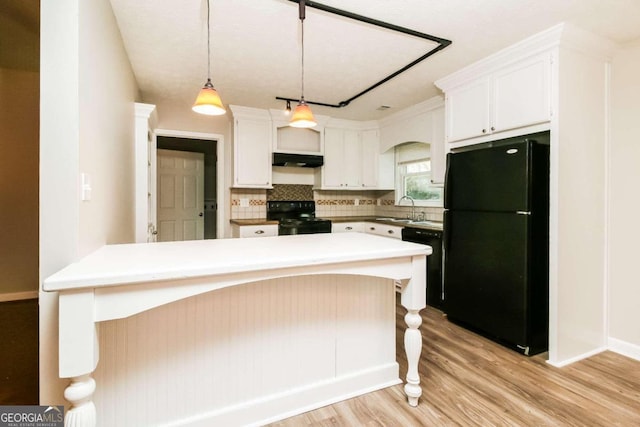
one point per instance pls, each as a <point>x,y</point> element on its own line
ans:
<point>255,46</point>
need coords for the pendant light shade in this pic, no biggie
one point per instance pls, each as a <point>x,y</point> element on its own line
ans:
<point>302,116</point>
<point>208,101</point>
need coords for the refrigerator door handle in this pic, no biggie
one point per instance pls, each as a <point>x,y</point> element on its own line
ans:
<point>445,231</point>
<point>523,212</point>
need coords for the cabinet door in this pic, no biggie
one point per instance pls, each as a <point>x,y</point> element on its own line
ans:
<point>438,152</point>
<point>370,158</point>
<point>522,94</point>
<point>252,153</point>
<point>352,166</point>
<point>332,170</point>
<point>467,112</point>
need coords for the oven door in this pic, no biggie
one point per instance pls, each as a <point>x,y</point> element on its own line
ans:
<point>304,226</point>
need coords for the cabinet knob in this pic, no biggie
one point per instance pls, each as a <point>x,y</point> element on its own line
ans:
<point>484,131</point>
<point>390,231</point>
<point>372,228</point>
<point>348,228</point>
<point>492,128</point>
<point>259,232</point>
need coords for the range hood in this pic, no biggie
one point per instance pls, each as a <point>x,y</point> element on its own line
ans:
<point>297,160</point>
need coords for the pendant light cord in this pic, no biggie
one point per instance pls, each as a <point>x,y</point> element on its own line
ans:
<point>301,13</point>
<point>208,42</point>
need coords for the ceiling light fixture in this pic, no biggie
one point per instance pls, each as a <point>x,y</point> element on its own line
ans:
<point>208,101</point>
<point>302,115</point>
<point>441,44</point>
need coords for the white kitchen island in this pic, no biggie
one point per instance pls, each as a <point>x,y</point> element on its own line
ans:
<point>235,331</point>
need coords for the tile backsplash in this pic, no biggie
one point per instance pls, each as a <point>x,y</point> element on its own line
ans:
<point>290,192</point>
<point>248,203</point>
<point>252,204</point>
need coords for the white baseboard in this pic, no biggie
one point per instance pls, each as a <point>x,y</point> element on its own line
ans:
<point>297,401</point>
<point>613,344</point>
<point>563,363</point>
<point>18,296</point>
<point>624,348</point>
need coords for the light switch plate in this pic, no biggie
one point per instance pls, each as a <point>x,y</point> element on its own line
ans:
<point>85,187</point>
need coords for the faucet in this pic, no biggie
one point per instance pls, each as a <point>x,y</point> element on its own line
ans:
<point>413,205</point>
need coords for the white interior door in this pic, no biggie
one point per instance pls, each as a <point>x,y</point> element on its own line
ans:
<point>180,186</point>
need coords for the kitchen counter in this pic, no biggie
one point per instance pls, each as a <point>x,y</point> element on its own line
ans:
<point>354,353</point>
<point>257,221</point>
<point>401,222</point>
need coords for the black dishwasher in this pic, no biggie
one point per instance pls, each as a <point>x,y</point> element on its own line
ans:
<point>433,238</point>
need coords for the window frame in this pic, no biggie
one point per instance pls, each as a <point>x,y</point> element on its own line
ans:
<point>401,175</point>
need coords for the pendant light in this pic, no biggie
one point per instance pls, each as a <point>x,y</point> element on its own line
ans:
<point>208,101</point>
<point>302,116</point>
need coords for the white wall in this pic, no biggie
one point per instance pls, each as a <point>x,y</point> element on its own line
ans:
<point>624,205</point>
<point>578,144</point>
<point>87,125</point>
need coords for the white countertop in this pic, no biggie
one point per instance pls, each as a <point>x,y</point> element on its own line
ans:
<point>114,265</point>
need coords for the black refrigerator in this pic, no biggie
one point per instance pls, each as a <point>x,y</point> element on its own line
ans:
<point>496,241</point>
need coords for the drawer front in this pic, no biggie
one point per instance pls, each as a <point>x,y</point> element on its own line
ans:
<point>383,230</point>
<point>258,230</point>
<point>347,227</point>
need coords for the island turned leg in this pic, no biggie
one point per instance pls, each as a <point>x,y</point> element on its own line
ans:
<point>83,411</point>
<point>413,348</point>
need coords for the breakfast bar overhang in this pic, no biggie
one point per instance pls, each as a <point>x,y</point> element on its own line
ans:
<point>120,281</point>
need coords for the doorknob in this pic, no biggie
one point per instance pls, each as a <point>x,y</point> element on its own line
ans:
<point>200,214</point>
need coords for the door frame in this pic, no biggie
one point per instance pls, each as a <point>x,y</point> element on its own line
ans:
<point>220,198</point>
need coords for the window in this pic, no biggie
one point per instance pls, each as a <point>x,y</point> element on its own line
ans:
<point>413,168</point>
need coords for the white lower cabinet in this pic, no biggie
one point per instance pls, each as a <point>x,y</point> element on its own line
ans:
<point>392,231</point>
<point>347,227</point>
<point>254,230</point>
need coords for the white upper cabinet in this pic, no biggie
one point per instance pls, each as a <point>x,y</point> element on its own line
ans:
<point>522,94</point>
<point>438,153</point>
<point>513,96</point>
<point>352,160</point>
<point>252,132</point>
<point>370,145</point>
<point>342,164</point>
<point>468,110</point>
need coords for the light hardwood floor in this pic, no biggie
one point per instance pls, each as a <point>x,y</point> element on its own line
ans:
<point>468,380</point>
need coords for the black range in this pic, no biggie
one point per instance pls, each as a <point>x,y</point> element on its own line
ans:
<point>297,217</point>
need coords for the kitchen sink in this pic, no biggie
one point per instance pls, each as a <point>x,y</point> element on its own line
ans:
<point>431,223</point>
<point>393,220</point>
